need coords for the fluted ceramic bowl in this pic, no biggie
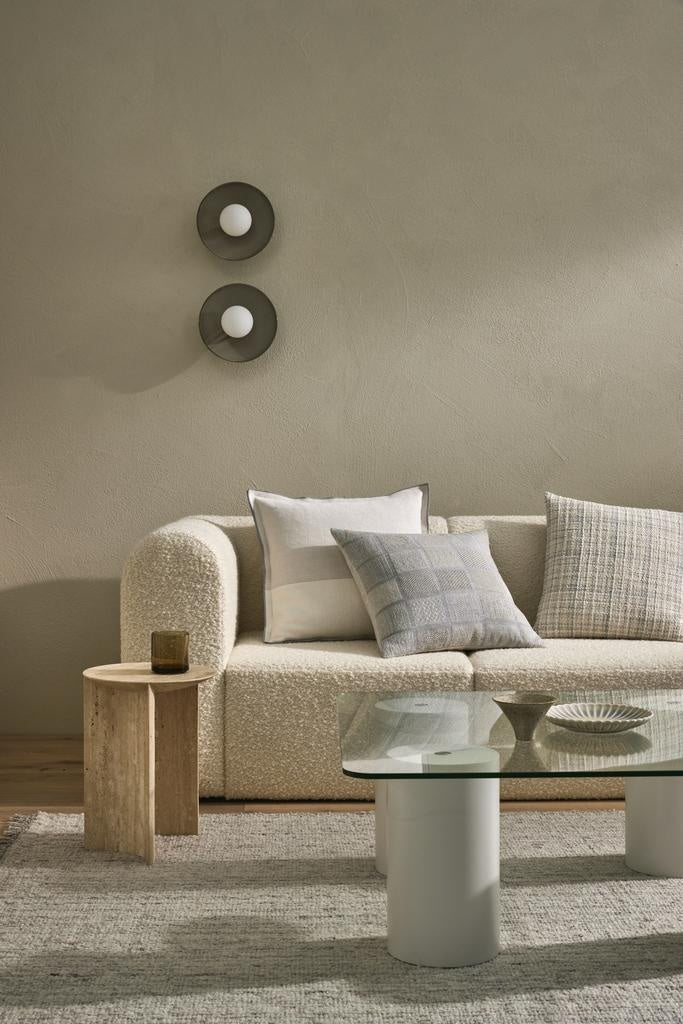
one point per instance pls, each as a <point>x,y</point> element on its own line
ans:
<point>598,718</point>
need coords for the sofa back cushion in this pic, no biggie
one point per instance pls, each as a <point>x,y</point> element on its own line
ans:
<point>518,547</point>
<point>242,534</point>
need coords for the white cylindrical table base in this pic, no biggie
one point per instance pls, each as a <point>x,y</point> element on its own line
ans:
<point>654,825</point>
<point>443,862</point>
<point>381,826</point>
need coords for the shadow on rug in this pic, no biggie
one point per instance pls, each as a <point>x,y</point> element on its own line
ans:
<point>282,918</point>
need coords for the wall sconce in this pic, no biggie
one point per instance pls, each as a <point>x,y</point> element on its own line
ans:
<point>235,220</point>
<point>237,323</point>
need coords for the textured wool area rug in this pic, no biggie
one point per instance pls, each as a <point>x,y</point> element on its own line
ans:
<point>281,917</point>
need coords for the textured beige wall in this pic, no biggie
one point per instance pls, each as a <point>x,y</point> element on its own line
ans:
<point>476,268</point>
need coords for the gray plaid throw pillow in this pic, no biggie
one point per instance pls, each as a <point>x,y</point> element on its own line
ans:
<point>611,572</point>
<point>431,592</point>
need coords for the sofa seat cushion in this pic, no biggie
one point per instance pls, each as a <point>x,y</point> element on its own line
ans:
<point>281,739</point>
<point>340,665</point>
<point>582,664</point>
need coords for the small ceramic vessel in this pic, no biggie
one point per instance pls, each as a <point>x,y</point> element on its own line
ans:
<point>524,709</point>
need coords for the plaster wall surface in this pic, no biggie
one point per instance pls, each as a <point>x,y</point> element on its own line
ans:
<point>475,265</point>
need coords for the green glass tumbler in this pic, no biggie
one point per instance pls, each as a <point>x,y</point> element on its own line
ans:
<point>170,651</point>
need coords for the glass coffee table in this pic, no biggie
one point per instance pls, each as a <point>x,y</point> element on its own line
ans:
<point>437,760</point>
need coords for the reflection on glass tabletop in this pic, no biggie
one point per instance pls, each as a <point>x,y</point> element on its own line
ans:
<point>399,735</point>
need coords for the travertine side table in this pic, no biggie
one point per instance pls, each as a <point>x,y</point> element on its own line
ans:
<point>140,756</point>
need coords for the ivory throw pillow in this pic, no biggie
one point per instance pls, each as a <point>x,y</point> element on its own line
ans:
<point>309,593</point>
<point>434,592</point>
<point>611,572</point>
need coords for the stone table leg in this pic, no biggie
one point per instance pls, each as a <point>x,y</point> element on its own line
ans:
<point>119,769</point>
<point>654,825</point>
<point>443,871</point>
<point>177,784</point>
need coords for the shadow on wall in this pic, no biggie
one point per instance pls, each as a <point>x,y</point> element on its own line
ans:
<point>50,632</point>
<point>137,338</point>
<point>130,361</point>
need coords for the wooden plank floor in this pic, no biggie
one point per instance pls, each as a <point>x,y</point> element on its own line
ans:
<point>46,773</point>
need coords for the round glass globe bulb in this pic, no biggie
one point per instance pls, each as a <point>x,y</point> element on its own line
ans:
<point>235,220</point>
<point>237,321</point>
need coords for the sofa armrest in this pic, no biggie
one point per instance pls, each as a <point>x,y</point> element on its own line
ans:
<point>184,576</point>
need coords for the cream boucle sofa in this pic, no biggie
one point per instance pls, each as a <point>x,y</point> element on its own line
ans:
<point>268,718</point>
